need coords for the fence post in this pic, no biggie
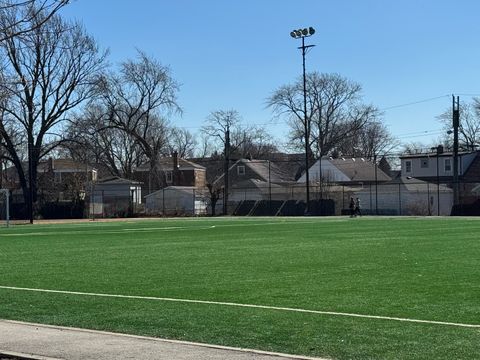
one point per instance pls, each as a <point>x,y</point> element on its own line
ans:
<point>371,200</point>
<point>194,212</point>
<point>428,199</point>
<point>399,199</point>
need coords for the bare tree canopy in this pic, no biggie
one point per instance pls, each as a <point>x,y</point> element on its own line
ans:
<point>335,112</point>
<point>469,129</point>
<point>137,100</point>
<point>370,140</point>
<point>47,72</point>
<point>245,140</point>
<point>182,141</point>
<point>91,140</point>
<point>20,17</point>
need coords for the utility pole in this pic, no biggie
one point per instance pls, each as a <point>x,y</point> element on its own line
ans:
<point>225,176</point>
<point>456,125</point>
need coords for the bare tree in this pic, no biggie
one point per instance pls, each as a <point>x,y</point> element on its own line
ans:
<point>91,140</point>
<point>137,101</point>
<point>469,130</point>
<point>18,18</point>
<point>335,112</point>
<point>252,142</point>
<point>244,141</point>
<point>220,122</point>
<point>371,140</point>
<point>47,72</point>
<point>183,142</point>
<point>206,147</point>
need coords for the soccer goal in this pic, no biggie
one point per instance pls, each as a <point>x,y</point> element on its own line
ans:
<point>5,206</point>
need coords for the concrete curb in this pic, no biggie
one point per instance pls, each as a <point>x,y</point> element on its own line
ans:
<point>22,356</point>
<point>203,347</point>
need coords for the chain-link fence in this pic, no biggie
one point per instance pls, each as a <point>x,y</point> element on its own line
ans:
<point>405,197</point>
<point>401,196</point>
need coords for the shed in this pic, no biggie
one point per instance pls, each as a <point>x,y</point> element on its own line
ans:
<point>115,196</point>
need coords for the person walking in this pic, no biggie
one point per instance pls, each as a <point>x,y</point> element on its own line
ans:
<point>351,206</point>
<point>358,210</point>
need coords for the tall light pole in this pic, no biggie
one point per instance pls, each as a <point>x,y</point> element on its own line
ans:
<point>302,34</point>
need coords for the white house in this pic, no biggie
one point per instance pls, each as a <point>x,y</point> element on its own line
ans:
<point>429,166</point>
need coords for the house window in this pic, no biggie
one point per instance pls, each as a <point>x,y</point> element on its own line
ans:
<point>169,176</point>
<point>424,163</point>
<point>408,166</point>
<point>240,170</point>
<point>57,177</point>
<point>447,165</point>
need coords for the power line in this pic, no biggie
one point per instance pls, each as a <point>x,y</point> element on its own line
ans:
<point>414,102</point>
<point>275,123</point>
<point>421,133</point>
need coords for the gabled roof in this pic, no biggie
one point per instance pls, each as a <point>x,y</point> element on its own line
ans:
<point>63,165</point>
<point>166,164</point>
<point>359,169</point>
<point>115,180</point>
<point>265,170</point>
<point>57,165</point>
<point>345,170</point>
<point>434,154</point>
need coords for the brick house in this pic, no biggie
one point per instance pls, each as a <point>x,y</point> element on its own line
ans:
<point>170,171</point>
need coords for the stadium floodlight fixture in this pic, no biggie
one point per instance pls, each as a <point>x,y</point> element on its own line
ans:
<point>296,34</point>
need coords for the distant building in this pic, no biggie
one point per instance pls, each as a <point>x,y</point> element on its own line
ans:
<point>57,180</point>
<point>114,197</point>
<point>437,166</point>
<point>170,171</point>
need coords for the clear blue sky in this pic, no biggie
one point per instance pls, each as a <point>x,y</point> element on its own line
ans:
<point>232,54</point>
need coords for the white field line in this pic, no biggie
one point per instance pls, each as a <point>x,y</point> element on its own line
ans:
<point>332,313</point>
<point>150,229</point>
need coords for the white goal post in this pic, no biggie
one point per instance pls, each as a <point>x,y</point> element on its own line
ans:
<point>6,193</point>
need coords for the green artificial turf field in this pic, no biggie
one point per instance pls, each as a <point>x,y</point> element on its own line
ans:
<point>409,268</point>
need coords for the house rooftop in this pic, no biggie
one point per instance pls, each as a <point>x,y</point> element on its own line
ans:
<point>359,169</point>
<point>265,169</point>
<point>434,154</point>
<point>166,163</point>
<point>59,165</point>
<point>115,180</point>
